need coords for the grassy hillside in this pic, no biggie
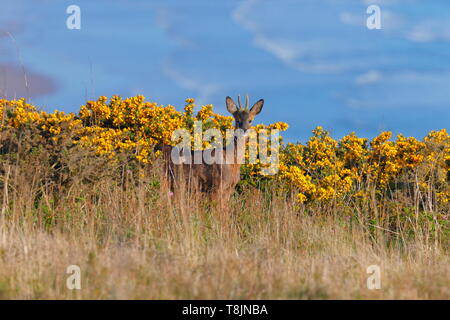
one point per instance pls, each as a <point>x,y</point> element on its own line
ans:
<point>87,189</point>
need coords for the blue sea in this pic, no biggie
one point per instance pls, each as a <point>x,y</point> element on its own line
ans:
<point>314,62</point>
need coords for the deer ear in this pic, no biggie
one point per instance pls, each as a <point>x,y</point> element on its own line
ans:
<point>257,107</point>
<point>231,106</point>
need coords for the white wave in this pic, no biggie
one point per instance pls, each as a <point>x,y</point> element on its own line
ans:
<point>369,77</point>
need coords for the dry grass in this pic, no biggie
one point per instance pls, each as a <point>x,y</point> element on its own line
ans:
<point>132,240</point>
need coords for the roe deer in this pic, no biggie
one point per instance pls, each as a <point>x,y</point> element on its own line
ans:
<point>218,179</point>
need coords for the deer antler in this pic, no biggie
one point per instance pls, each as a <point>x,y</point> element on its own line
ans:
<point>246,102</point>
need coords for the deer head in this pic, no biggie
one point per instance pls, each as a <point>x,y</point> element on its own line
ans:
<point>243,116</point>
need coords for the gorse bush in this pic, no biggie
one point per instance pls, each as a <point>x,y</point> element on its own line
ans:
<point>321,169</point>
<point>325,168</point>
